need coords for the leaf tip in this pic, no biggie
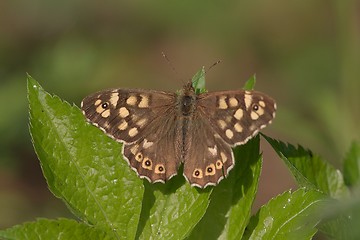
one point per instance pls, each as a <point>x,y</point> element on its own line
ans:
<point>198,81</point>
<point>250,83</point>
<point>32,83</point>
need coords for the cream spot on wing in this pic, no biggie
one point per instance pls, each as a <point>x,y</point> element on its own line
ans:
<point>133,132</point>
<point>252,127</point>
<point>219,164</point>
<point>262,103</point>
<point>97,102</point>
<point>239,114</point>
<point>222,124</point>
<point>229,119</point>
<point>248,100</point>
<point>213,150</point>
<point>99,109</point>
<point>123,125</point>
<point>147,144</point>
<point>134,149</point>
<point>210,170</point>
<point>123,112</point>
<point>105,113</point>
<point>147,164</point>
<point>134,117</point>
<point>144,103</point>
<point>254,115</point>
<point>114,98</point>
<point>139,157</point>
<point>223,157</point>
<point>238,127</point>
<point>197,173</point>
<point>260,111</point>
<point>222,102</point>
<point>159,169</point>
<point>131,100</point>
<point>141,122</point>
<point>229,134</point>
<point>217,135</point>
<point>233,102</point>
<point>106,125</point>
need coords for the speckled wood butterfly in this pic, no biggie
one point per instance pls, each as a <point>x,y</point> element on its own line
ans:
<point>160,130</point>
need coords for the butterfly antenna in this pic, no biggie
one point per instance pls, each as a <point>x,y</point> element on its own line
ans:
<point>213,65</point>
<point>171,65</point>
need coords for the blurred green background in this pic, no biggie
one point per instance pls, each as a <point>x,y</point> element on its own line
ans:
<point>305,54</point>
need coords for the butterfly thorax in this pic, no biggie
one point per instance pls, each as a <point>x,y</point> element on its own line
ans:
<point>186,101</point>
<point>187,105</point>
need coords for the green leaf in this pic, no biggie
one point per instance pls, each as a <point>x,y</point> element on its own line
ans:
<point>60,229</point>
<point>250,83</point>
<point>82,166</point>
<point>231,201</point>
<point>198,81</point>
<point>171,210</point>
<point>310,171</point>
<point>288,216</point>
<point>352,165</point>
<point>341,219</point>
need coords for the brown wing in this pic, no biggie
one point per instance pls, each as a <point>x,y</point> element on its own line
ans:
<point>237,115</point>
<point>124,114</point>
<point>222,120</point>
<point>155,155</point>
<point>209,158</point>
<point>145,122</point>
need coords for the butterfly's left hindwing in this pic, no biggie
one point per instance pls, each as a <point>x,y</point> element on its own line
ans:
<point>145,122</point>
<point>155,155</point>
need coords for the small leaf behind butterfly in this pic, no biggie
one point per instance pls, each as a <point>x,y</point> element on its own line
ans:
<point>198,81</point>
<point>250,83</point>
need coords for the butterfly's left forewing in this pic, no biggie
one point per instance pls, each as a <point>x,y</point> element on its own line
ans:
<point>145,122</point>
<point>124,114</point>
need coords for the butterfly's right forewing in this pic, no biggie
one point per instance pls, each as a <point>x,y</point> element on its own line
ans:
<point>237,115</point>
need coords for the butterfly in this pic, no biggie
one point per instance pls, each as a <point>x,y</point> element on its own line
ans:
<point>162,130</point>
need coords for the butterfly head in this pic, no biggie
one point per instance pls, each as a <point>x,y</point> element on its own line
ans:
<point>187,89</point>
